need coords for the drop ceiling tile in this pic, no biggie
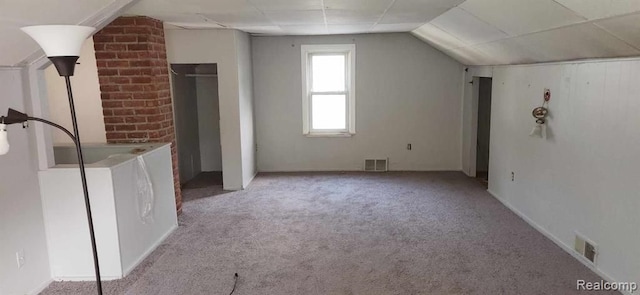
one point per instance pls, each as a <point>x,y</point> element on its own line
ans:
<point>262,30</point>
<point>179,17</point>
<point>192,25</point>
<point>270,5</point>
<point>351,17</point>
<point>518,17</point>
<point>48,12</point>
<point>467,27</point>
<point>145,7</point>
<point>624,27</point>
<point>350,29</point>
<point>596,9</point>
<point>424,6</point>
<point>208,6</point>
<point>251,17</point>
<point>438,38</point>
<point>509,51</point>
<point>374,5</point>
<point>417,11</point>
<point>395,17</point>
<point>305,29</point>
<point>161,7</point>
<point>470,57</point>
<point>18,49</point>
<point>292,17</point>
<point>576,42</point>
<point>389,28</point>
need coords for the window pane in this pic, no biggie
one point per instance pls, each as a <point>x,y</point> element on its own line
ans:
<point>328,112</point>
<point>328,72</point>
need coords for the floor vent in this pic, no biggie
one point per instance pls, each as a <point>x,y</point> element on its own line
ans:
<point>376,165</point>
<point>586,248</point>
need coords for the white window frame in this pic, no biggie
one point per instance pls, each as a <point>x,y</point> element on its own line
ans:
<point>349,50</point>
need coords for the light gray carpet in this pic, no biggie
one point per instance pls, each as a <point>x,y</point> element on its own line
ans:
<point>352,233</point>
<point>205,184</point>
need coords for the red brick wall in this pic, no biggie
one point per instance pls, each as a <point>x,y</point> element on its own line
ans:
<point>134,85</point>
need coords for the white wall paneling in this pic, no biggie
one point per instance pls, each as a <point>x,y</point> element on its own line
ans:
<point>583,177</point>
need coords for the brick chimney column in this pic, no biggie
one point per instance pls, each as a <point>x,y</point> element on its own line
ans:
<point>134,85</point>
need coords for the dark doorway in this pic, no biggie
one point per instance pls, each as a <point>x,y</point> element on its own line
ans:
<point>484,130</point>
<point>197,120</point>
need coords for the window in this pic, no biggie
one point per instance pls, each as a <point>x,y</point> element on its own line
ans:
<point>328,79</point>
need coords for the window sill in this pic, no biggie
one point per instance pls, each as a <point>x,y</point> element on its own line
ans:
<point>329,135</point>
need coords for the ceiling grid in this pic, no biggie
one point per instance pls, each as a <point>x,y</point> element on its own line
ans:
<point>474,32</point>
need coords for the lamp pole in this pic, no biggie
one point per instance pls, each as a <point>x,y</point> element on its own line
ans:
<point>62,44</point>
<point>85,190</point>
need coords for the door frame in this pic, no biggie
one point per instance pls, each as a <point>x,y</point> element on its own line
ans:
<point>473,143</point>
<point>470,116</point>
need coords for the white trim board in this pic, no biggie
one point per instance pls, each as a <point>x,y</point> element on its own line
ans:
<point>41,287</point>
<point>248,182</point>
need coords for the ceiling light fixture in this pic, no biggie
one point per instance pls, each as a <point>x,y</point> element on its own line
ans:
<point>540,113</point>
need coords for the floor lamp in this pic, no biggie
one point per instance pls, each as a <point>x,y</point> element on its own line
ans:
<point>62,45</point>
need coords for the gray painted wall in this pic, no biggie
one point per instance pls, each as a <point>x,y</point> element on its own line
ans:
<point>406,92</point>
<point>223,48</point>
<point>21,220</point>
<point>209,123</point>
<point>247,127</point>
<point>185,107</point>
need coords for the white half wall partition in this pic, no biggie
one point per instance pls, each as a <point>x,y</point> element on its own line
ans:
<point>583,178</point>
<point>226,49</point>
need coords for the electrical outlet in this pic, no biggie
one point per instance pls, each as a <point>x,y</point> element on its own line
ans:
<point>20,258</point>
<point>513,176</point>
<point>409,146</point>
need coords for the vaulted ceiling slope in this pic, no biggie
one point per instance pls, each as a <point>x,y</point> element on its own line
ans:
<point>497,32</point>
<point>18,49</point>
<point>297,17</point>
<point>475,32</point>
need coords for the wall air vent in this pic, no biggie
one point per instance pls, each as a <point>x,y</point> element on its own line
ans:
<point>586,248</point>
<point>376,165</point>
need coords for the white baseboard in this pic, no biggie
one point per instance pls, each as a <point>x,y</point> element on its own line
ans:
<point>41,287</point>
<point>353,170</point>
<point>557,241</point>
<point>142,257</point>
<point>232,188</point>
<point>246,184</point>
<point>85,278</point>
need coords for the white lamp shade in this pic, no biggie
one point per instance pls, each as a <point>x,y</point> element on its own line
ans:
<point>59,40</point>
<point>4,141</point>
